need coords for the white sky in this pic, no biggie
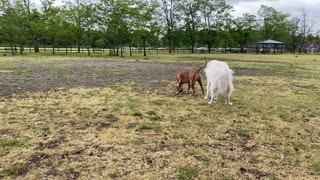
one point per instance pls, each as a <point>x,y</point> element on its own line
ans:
<point>292,7</point>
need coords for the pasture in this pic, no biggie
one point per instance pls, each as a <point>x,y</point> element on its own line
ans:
<point>118,118</point>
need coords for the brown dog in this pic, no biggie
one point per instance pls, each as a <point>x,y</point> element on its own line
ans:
<point>191,76</point>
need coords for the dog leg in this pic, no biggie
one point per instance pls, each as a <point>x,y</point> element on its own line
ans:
<point>188,88</point>
<point>226,101</point>
<point>214,95</point>
<point>200,83</point>
<point>193,89</point>
<point>212,100</point>
<point>208,91</point>
<point>228,97</point>
<point>180,88</point>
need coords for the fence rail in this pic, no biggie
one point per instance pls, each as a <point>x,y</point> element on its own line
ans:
<point>8,50</point>
<point>92,50</point>
<point>50,50</point>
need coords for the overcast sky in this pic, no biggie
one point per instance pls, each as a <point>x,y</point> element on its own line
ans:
<point>292,7</point>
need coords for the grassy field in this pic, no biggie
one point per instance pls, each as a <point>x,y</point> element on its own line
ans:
<point>138,129</point>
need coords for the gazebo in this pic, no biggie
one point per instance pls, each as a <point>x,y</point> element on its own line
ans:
<point>272,45</point>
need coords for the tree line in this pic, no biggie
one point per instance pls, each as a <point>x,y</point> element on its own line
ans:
<point>115,24</point>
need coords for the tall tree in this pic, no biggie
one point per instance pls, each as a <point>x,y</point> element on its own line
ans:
<point>145,22</point>
<point>55,25</point>
<point>75,16</point>
<point>13,24</point>
<point>89,23</point>
<point>295,36</point>
<point>34,23</point>
<point>274,24</point>
<point>170,15</point>
<point>217,18</point>
<point>190,11</point>
<point>117,17</point>
<point>305,26</point>
<point>8,28</point>
<point>37,28</point>
<point>246,27</point>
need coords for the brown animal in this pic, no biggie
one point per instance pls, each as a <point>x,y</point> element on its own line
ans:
<point>189,75</point>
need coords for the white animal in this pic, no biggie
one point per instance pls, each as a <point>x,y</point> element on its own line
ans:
<point>219,80</point>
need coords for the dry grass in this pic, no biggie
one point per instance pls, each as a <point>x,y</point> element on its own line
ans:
<point>125,132</point>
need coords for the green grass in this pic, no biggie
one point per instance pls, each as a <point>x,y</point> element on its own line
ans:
<point>150,126</point>
<point>11,170</point>
<point>187,173</point>
<point>316,168</point>
<point>137,114</point>
<point>151,113</point>
<point>139,141</point>
<point>162,102</point>
<point>155,118</point>
<point>8,144</point>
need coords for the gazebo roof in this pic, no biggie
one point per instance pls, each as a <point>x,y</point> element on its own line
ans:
<point>270,41</point>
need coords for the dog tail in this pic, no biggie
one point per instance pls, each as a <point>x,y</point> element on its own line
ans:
<point>206,61</point>
<point>202,67</point>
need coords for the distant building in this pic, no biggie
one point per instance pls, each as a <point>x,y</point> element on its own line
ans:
<point>270,46</point>
<point>310,48</point>
<point>265,47</point>
<point>313,48</point>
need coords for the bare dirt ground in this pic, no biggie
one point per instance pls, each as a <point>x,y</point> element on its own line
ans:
<point>37,77</point>
<point>43,77</point>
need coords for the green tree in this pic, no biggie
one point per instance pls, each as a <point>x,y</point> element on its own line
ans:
<point>190,14</point>
<point>145,22</point>
<point>13,25</point>
<point>34,23</point>
<point>246,27</point>
<point>295,36</point>
<point>217,18</point>
<point>115,18</point>
<point>55,24</point>
<point>75,15</point>
<point>170,16</point>
<point>274,24</point>
<point>89,23</point>
<point>37,27</point>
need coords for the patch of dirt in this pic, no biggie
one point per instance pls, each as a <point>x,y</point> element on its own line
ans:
<point>131,125</point>
<point>43,77</point>
<point>82,125</point>
<point>53,172</point>
<point>256,173</point>
<point>90,73</point>
<point>8,133</point>
<point>103,125</point>
<point>72,175</point>
<point>33,162</point>
<point>250,148</point>
<point>49,145</point>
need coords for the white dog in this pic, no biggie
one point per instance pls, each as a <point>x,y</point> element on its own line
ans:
<point>219,80</point>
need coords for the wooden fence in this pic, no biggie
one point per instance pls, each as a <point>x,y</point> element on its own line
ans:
<point>50,50</point>
<point>60,50</point>
<point>8,50</point>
